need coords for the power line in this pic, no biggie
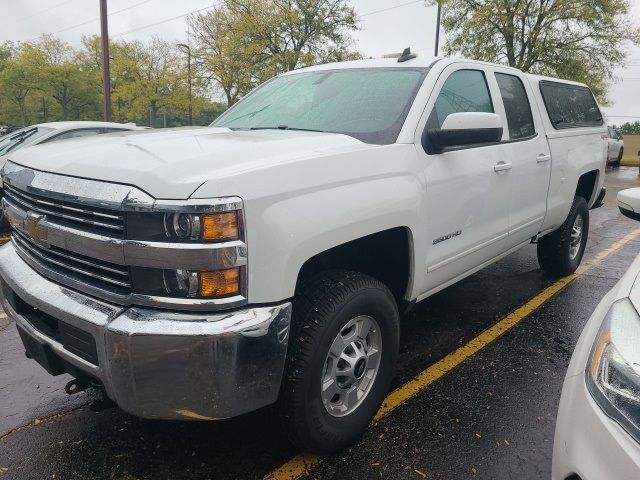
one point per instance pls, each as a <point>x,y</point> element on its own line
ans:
<point>42,11</point>
<point>98,18</point>
<point>391,8</point>
<point>162,21</point>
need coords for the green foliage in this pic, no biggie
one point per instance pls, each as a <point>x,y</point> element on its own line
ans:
<point>580,40</point>
<point>628,128</point>
<point>242,43</point>
<point>236,46</point>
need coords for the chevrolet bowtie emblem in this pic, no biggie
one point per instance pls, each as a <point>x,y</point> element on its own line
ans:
<point>33,226</point>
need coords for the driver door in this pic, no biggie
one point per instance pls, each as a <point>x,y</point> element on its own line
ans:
<point>467,187</point>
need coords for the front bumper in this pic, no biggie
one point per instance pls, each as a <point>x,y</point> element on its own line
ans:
<point>153,363</point>
<point>588,443</point>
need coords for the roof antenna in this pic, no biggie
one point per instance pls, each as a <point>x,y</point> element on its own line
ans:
<point>406,55</point>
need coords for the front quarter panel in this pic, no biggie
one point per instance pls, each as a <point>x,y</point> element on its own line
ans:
<point>298,209</point>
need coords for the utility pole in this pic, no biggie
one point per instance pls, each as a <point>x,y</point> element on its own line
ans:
<point>438,28</point>
<point>106,76</point>
<point>188,49</point>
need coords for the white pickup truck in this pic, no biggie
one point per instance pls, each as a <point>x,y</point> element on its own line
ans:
<point>205,273</point>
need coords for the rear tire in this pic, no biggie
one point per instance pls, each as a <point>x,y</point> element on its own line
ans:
<point>618,160</point>
<point>560,252</point>
<point>344,338</point>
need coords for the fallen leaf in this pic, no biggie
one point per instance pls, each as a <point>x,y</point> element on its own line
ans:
<point>375,464</point>
<point>478,435</point>
<point>37,421</point>
<point>422,474</point>
<point>507,442</point>
<point>3,470</point>
<point>473,470</point>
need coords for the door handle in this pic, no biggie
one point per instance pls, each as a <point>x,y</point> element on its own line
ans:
<point>502,166</point>
<point>543,158</point>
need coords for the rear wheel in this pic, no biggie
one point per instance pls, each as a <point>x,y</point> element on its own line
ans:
<point>560,252</point>
<point>342,354</point>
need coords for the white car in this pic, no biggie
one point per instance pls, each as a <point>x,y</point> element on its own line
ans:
<point>215,271</point>
<point>55,131</point>
<point>598,427</point>
<point>615,148</point>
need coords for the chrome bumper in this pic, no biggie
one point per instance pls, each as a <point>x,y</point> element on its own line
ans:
<point>155,363</point>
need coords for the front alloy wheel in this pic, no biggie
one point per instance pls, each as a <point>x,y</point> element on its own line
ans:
<point>351,366</point>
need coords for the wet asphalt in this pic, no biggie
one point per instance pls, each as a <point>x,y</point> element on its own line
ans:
<point>492,417</point>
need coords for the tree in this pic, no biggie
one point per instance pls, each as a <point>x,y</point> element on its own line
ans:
<point>149,79</point>
<point>59,75</point>
<point>628,128</point>
<point>579,40</point>
<point>223,55</point>
<point>18,79</point>
<point>242,43</point>
<point>296,33</point>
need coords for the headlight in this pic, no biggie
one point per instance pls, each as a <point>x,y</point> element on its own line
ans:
<point>213,227</point>
<point>185,227</point>
<point>613,372</point>
<point>207,226</point>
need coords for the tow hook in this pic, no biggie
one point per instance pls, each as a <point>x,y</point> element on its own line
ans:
<point>75,386</point>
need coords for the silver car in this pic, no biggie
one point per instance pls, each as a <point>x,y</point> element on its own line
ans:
<point>55,131</point>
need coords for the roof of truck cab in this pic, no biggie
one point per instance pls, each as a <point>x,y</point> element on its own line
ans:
<point>542,78</point>
<point>418,62</point>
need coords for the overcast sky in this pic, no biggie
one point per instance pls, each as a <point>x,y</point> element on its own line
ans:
<point>387,26</point>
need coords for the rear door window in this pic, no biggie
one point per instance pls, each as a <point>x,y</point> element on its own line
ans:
<point>516,106</point>
<point>570,106</point>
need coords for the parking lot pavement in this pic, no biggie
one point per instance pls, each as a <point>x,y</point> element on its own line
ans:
<point>479,380</point>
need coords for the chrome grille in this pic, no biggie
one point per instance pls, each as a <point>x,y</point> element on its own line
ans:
<point>96,219</point>
<point>104,275</point>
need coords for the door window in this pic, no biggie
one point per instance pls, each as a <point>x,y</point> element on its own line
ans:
<point>516,106</point>
<point>463,91</point>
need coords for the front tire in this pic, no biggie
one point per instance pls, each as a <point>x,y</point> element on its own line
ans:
<point>342,354</point>
<point>560,252</point>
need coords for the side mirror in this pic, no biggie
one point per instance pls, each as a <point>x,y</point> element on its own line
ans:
<point>464,128</point>
<point>629,203</point>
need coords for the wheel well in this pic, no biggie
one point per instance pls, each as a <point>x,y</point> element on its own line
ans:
<point>587,185</point>
<point>385,256</point>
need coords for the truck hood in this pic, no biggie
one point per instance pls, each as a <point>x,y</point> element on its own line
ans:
<point>172,164</point>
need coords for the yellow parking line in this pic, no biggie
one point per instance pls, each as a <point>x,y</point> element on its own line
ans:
<point>301,464</point>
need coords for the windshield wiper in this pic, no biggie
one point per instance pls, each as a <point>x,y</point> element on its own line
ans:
<point>286,127</point>
<point>20,137</point>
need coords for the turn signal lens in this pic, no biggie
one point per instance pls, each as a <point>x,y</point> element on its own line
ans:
<point>219,283</point>
<point>220,226</point>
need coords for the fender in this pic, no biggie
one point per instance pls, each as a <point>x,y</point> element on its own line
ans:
<point>297,210</point>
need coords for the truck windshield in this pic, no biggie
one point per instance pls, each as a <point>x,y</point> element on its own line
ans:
<point>21,138</point>
<point>368,104</point>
